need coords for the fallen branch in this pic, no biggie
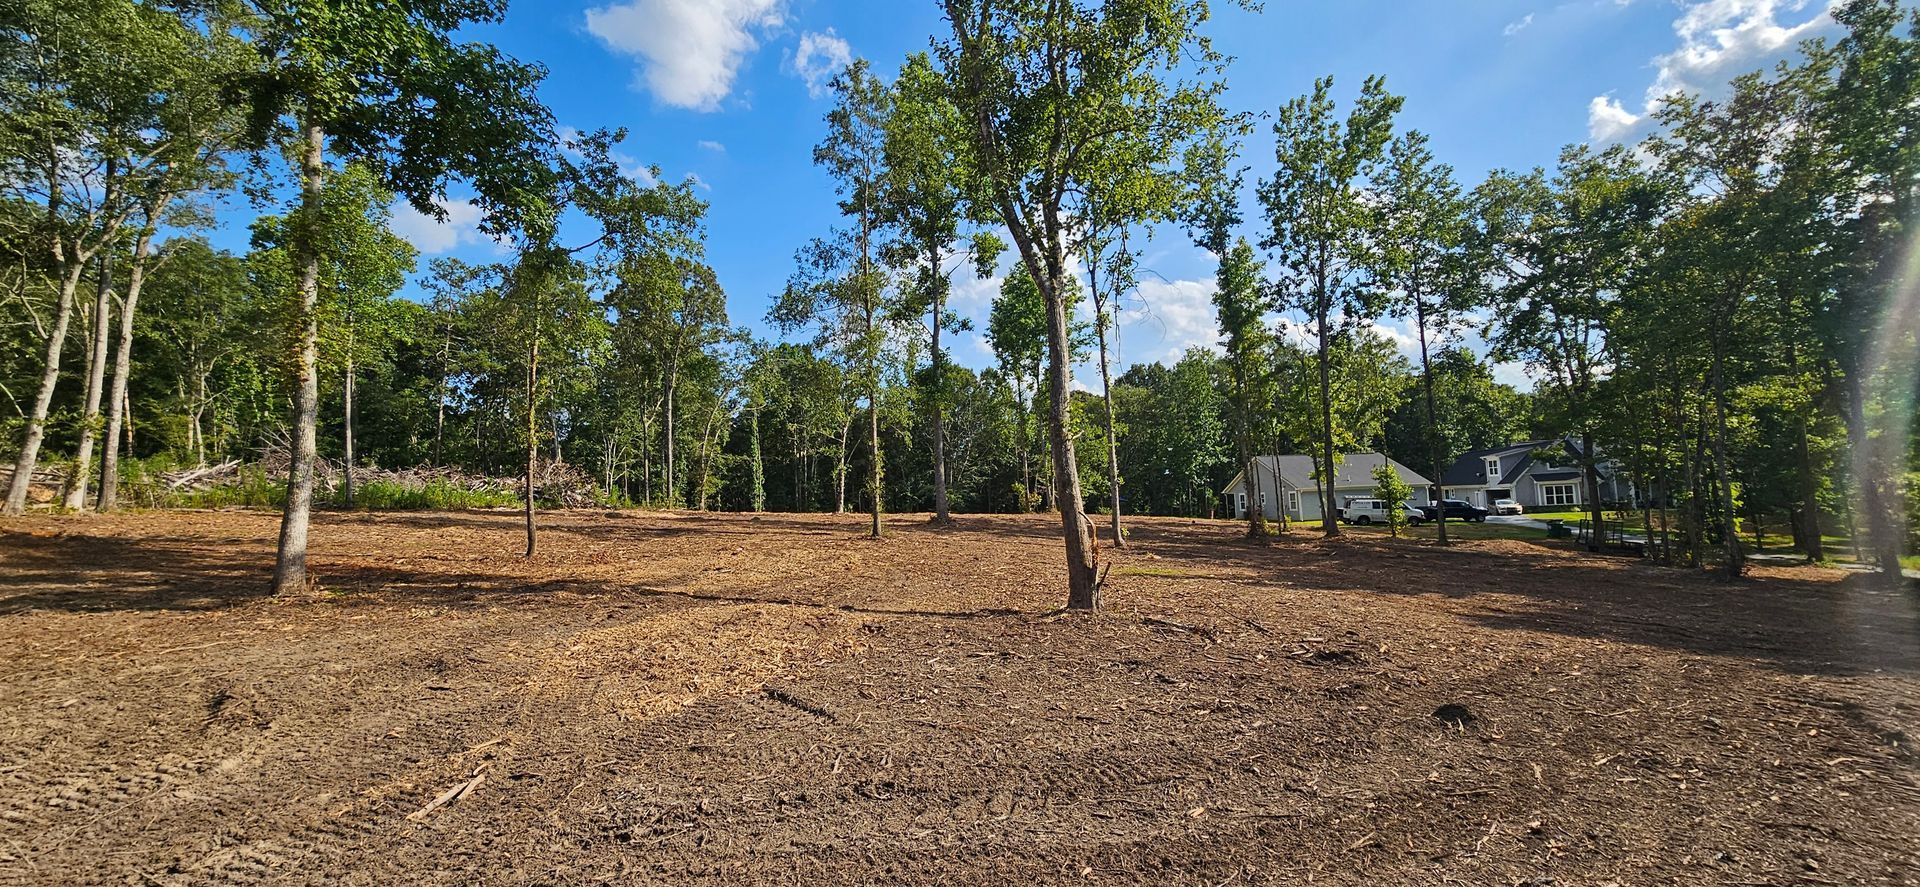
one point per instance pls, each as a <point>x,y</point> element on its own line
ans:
<point>778,695</point>
<point>1189,629</point>
<point>451,795</point>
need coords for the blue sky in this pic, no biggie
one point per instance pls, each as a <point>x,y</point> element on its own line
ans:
<point>730,91</point>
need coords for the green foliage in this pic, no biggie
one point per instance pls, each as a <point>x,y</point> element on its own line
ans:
<point>1393,492</point>
<point>1321,221</point>
<point>1471,411</point>
<point>1177,450</point>
<point>434,495</point>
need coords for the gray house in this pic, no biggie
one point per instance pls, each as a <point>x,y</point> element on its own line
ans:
<point>1541,475</point>
<point>1289,481</point>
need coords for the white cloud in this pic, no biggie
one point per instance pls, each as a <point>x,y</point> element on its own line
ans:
<point>970,295</point>
<point>818,58</point>
<point>1719,39</point>
<point>1513,28</point>
<point>1608,120</point>
<point>1514,374</point>
<point>689,50</point>
<point>433,237</point>
<point>1405,341</point>
<point>1177,315</point>
<point>710,145</point>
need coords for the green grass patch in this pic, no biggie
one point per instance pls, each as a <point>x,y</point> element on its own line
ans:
<point>253,488</point>
<point>1456,529</point>
<point>436,495</point>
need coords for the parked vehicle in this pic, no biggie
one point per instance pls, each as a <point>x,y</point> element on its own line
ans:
<point>1374,511</point>
<point>1507,506</point>
<point>1457,509</point>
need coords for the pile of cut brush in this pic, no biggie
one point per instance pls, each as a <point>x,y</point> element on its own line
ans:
<point>556,484</point>
<point>44,485</point>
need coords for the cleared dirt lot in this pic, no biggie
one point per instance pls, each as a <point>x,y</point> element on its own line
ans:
<point>729,700</point>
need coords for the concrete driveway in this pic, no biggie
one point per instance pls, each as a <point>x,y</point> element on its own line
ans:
<point>1516,520</point>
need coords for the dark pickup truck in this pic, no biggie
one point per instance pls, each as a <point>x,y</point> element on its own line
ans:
<point>1456,510</point>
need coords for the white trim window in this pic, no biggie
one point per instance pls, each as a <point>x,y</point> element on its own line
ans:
<point>1293,503</point>
<point>1560,494</point>
<point>1242,510</point>
<point>1493,469</point>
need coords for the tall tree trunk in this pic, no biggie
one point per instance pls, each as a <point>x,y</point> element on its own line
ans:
<point>76,498</point>
<point>72,265</point>
<point>1735,558</point>
<point>290,568</point>
<point>706,453</point>
<point>802,467</point>
<point>533,429</point>
<point>1433,424</point>
<point>440,397</point>
<point>840,466</point>
<point>941,514</point>
<point>1250,479</point>
<point>1694,516</point>
<point>1026,450</point>
<point>1083,555</point>
<point>346,394</point>
<point>1808,525</point>
<point>1113,439</point>
<point>119,400</point>
<point>1871,477</point>
<point>1591,463</point>
<point>198,420</point>
<point>1329,510</point>
<point>36,430</point>
<point>1280,490</point>
<point>875,480</point>
<point>759,491</point>
<point>668,475</point>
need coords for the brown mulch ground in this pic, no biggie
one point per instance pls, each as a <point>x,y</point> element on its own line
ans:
<point>738,700</point>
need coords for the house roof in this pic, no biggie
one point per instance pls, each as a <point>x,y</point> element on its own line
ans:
<point>1355,471</point>
<point>1470,470</point>
<point>1558,474</point>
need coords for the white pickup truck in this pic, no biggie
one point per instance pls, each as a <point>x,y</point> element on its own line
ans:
<point>1374,511</point>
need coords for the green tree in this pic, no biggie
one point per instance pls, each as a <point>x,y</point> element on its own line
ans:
<point>1393,493</point>
<point>363,263</point>
<point>1560,250</point>
<point>1061,98</point>
<point>1241,303</point>
<point>438,109</point>
<point>840,284</point>
<point>1468,410</point>
<point>1422,257</point>
<point>112,113</point>
<point>1321,220</point>
<point>923,203</point>
<point>1869,116</point>
<point>1368,378</point>
<point>202,318</point>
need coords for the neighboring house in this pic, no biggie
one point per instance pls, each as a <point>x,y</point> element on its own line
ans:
<point>1541,475</point>
<point>1290,480</point>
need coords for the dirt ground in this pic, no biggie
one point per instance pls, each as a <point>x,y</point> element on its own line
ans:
<point>738,700</point>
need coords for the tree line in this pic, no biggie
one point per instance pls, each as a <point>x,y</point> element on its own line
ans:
<point>1723,309</point>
